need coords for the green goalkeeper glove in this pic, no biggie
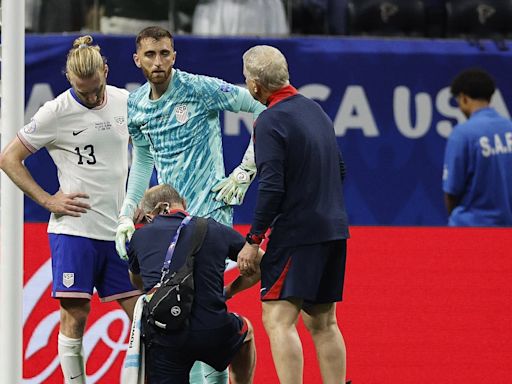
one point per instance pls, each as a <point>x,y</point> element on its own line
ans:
<point>232,189</point>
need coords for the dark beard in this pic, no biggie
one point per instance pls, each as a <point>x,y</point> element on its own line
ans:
<point>159,79</point>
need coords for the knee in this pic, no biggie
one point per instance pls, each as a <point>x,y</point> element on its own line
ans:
<point>268,323</point>
<point>275,326</point>
<point>73,316</point>
<point>280,315</point>
<point>316,326</point>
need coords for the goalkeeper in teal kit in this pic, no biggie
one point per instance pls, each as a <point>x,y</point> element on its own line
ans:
<point>173,120</point>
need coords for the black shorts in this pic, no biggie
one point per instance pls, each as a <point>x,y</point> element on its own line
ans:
<point>314,273</point>
<point>170,364</point>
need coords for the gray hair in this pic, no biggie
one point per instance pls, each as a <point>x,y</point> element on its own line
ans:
<point>266,65</point>
<point>157,197</point>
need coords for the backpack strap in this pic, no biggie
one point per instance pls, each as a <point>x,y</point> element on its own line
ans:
<point>198,235</point>
<point>196,242</point>
<point>172,246</point>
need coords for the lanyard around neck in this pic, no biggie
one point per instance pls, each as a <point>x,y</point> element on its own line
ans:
<point>172,246</point>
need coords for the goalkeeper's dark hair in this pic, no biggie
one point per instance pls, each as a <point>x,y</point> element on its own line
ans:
<point>153,32</point>
<point>159,195</point>
<point>475,83</point>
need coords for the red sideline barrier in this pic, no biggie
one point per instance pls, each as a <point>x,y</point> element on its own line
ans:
<point>422,305</point>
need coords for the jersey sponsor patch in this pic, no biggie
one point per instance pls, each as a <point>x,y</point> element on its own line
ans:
<point>68,279</point>
<point>30,127</point>
<point>181,113</point>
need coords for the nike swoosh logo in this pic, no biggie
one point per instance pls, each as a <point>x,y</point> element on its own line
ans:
<point>78,132</point>
<point>74,377</point>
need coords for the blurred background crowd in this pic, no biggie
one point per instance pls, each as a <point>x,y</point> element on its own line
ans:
<point>471,19</point>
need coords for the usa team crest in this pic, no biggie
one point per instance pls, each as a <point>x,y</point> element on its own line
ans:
<point>68,279</point>
<point>181,113</point>
<point>120,124</point>
<point>119,120</point>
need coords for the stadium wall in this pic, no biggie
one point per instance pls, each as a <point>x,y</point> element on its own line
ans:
<point>389,100</point>
<point>422,304</point>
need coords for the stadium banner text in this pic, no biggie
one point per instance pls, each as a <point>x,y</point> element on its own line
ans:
<point>389,101</point>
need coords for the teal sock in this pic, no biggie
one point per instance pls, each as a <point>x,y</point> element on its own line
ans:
<point>215,377</point>
<point>197,374</point>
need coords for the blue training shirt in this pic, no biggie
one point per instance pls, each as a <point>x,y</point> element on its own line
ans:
<point>478,169</point>
<point>148,248</point>
<point>182,130</point>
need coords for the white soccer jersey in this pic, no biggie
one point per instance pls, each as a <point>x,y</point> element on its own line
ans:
<point>89,148</point>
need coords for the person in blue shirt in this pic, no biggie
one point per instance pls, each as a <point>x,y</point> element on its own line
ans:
<point>300,196</point>
<point>477,174</point>
<point>213,335</point>
<point>173,121</point>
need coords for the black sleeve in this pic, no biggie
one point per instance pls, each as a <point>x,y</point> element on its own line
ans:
<point>343,169</point>
<point>267,208</point>
<point>270,153</point>
<point>133,262</point>
<point>236,242</point>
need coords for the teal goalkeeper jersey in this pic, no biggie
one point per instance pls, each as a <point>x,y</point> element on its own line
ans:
<point>183,132</point>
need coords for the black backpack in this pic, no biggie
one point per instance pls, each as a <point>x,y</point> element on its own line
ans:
<point>170,305</point>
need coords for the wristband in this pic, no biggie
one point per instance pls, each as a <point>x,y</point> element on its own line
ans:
<point>253,238</point>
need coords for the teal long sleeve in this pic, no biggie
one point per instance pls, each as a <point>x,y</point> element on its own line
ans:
<point>138,180</point>
<point>248,104</point>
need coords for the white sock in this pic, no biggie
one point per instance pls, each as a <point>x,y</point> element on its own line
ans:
<point>71,359</point>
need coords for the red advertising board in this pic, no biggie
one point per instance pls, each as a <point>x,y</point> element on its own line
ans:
<point>421,305</point>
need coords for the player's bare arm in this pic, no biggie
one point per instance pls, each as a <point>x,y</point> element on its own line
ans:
<point>244,282</point>
<point>11,162</point>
